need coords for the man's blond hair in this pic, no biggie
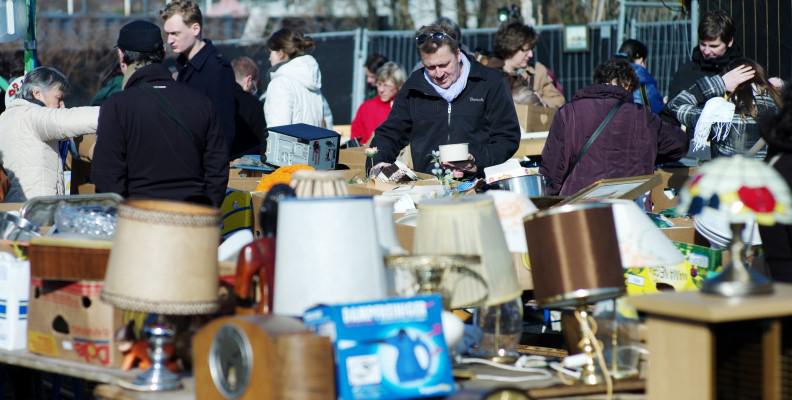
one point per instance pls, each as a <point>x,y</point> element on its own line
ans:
<point>190,12</point>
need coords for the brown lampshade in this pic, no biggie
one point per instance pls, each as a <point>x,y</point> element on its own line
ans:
<point>574,254</point>
<point>164,258</point>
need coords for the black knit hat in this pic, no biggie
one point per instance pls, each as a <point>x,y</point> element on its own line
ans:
<point>142,36</point>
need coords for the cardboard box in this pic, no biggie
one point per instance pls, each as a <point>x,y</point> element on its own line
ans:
<point>245,184</point>
<point>700,263</point>
<point>530,147</point>
<point>682,231</point>
<point>534,118</point>
<point>56,258</point>
<point>671,181</point>
<point>388,349</point>
<point>68,320</point>
<point>354,157</point>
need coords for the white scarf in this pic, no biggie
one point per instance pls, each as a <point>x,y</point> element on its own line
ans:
<point>457,87</point>
<point>716,117</point>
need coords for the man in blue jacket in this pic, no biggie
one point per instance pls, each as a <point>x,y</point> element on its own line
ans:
<point>450,100</point>
<point>200,64</point>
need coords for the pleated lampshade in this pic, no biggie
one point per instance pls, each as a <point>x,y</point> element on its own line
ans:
<point>468,226</point>
<point>318,184</point>
<point>164,258</point>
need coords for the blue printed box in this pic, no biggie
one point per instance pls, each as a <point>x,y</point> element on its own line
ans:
<point>389,349</point>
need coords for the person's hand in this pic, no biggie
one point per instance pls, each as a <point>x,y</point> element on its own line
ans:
<point>738,75</point>
<point>466,167</point>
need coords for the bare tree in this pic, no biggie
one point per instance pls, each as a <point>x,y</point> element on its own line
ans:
<point>462,14</point>
<point>487,13</point>
<point>438,5</point>
<point>403,18</point>
<point>371,14</point>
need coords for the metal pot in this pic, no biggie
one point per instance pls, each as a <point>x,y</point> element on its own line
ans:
<point>526,185</point>
<point>16,228</point>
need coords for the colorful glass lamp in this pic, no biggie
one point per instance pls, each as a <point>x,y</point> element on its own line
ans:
<point>743,191</point>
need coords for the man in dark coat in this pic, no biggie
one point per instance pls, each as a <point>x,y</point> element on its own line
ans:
<point>630,145</point>
<point>450,100</point>
<point>715,51</point>
<point>157,138</point>
<point>251,134</point>
<point>200,64</point>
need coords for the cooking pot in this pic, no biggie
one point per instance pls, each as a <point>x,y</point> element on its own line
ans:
<point>13,227</point>
<point>526,185</point>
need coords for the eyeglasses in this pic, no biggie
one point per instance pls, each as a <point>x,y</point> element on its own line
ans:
<point>436,37</point>
<point>526,48</point>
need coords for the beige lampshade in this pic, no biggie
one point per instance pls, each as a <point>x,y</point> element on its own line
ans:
<point>318,184</point>
<point>164,258</point>
<point>469,226</point>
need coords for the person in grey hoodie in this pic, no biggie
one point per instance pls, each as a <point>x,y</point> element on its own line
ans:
<point>294,92</point>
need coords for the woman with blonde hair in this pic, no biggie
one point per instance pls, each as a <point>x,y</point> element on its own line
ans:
<point>374,111</point>
<point>294,94</point>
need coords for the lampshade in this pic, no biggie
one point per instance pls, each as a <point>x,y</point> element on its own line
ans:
<point>308,183</point>
<point>574,252</point>
<point>327,252</point>
<point>468,226</point>
<point>641,243</point>
<point>164,258</point>
<point>743,189</point>
<point>386,230</point>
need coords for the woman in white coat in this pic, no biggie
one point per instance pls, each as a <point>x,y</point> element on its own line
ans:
<point>294,93</point>
<point>30,128</point>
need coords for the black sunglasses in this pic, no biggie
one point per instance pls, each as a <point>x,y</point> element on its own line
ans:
<point>436,37</point>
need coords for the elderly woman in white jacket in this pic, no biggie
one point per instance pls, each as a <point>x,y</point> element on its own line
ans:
<point>30,128</point>
<point>294,93</point>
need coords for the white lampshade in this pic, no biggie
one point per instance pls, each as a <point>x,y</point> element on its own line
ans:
<point>308,183</point>
<point>469,226</point>
<point>386,230</point>
<point>164,258</point>
<point>641,243</point>
<point>327,252</point>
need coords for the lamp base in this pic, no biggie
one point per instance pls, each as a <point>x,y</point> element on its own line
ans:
<point>158,377</point>
<point>735,283</point>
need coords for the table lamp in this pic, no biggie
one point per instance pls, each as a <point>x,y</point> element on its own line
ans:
<point>470,226</point>
<point>163,261</point>
<point>308,183</point>
<point>327,252</point>
<point>575,261</point>
<point>742,191</point>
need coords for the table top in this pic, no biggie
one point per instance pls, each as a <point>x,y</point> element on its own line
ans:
<point>706,308</point>
<point>109,378</point>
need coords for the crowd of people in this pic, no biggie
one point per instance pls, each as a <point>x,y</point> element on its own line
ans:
<point>171,134</point>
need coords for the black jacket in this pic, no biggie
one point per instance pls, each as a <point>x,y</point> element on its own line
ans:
<point>699,67</point>
<point>251,129</point>
<point>143,152</point>
<point>777,239</point>
<point>211,74</point>
<point>482,115</point>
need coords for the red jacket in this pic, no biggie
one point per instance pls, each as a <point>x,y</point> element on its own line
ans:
<point>371,114</point>
<point>632,143</point>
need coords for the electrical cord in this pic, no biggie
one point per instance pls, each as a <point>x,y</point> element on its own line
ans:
<point>525,364</point>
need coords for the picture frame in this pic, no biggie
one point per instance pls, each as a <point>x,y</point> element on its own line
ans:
<point>576,38</point>
<point>618,188</point>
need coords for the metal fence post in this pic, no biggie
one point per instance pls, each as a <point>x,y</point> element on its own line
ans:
<point>694,23</point>
<point>358,82</point>
<point>622,22</point>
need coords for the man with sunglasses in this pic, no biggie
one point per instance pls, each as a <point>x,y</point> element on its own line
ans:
<point>450,100</point>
